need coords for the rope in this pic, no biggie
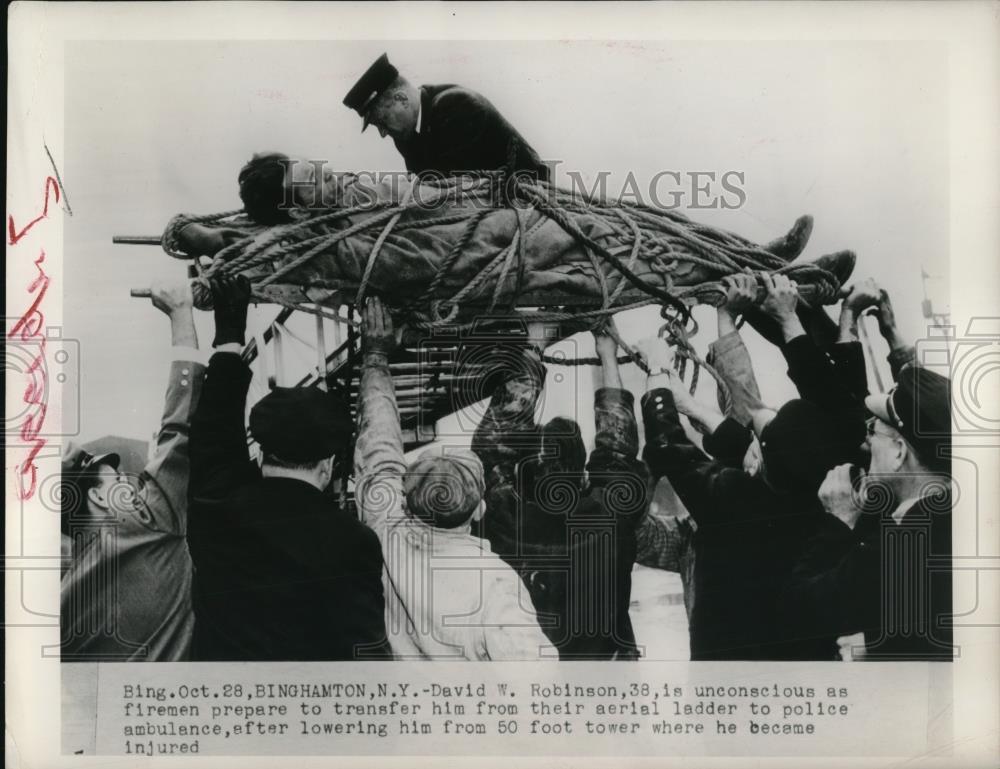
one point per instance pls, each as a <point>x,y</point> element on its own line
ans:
<point>363,287</point>
<point>664,238</point>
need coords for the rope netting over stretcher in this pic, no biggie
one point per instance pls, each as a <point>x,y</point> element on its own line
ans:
<point>662,238</point>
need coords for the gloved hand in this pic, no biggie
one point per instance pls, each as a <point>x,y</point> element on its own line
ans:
<point>230,298</point>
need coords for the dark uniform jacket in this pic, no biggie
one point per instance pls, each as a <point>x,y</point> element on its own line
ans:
<point>280,572</point>
<point>889,580</point>
<point>748,541</point>
<point>460,130</point>
<point>573,546</point>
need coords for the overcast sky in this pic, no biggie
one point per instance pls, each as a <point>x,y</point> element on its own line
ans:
<point>855,134</point>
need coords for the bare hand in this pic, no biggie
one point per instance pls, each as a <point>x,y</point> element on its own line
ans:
<point>604,342</point>
<point>377,334</point>
<point>752,459</point>
<point>170,297</point>
<point>838,497</point>
<point>862,296</point>
<point>683,400</point>
<point>782,296</point>
<point>741,292</point>
<point>887,320</point>
<point>656,353</point>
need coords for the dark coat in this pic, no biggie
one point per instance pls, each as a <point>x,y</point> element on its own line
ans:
<point>889,580</point>
<point>747,543</point>
<point>460,130</point>
<point>573,546</point>
<point>280,572</point>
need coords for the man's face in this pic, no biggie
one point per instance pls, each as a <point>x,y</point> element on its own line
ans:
<point>393,114</point>
<point>882,443</point>
<point>312,184</point>
<point>104,492</point>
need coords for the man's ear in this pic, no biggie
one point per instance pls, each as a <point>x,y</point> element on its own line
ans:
<point>326,470</point>
<point>94,495</point>
<point>480,511</point>
<point>900,454</point>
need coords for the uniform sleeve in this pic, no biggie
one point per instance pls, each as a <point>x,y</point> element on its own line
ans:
<point>834,586</point>
<point>729,442</point>
<point>816,376</point>
<point>373,641</point>
<point>899,358</point>
<point>710,491</point>
<point>163,484</point>
<point>220,457</point>
<point>849,361</point>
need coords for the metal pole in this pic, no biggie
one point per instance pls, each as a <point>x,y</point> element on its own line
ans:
<point>137,240</point>
<point>321,365</point>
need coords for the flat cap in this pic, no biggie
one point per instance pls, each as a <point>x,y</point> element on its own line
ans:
<point>444,486</point>
<point>376,79</point>
<point>301,424</point>
<point>919,407</point>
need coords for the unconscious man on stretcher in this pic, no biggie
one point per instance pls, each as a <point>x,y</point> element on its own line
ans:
<point>551,243</point>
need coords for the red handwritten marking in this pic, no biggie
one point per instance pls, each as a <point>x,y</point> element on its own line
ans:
<point>50,185</point>
<point>30,328</point>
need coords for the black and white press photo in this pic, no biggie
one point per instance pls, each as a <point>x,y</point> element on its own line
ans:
<point>643,358</point>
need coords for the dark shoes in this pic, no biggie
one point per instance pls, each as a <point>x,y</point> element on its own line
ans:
<point>789,246</point>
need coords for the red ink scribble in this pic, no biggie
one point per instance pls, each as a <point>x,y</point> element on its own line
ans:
<point>51,185</point>
<point>30,329</point>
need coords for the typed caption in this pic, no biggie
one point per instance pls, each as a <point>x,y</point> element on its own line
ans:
<point>392,709</point>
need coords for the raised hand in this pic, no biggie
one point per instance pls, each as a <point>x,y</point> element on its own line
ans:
<point>837,495</point>
<point>171,296</point>
<point>781,297</point>
<point>862,296</point>
<point>377,335</point>
<point>230,300</point>
<point>604,341</point>
<point>741,292</point>
<point>656,353</point>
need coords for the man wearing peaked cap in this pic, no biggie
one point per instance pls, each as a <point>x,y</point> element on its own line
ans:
<point>281,572</point>
<point>441,129</point>
<point>126,592</point>
<point>890,582</point>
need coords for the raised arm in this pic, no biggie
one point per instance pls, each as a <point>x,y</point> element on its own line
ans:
<point>728,355</point>
<point>707,488</point>
<point>507,432</point>
<point>379,462</point>
<point>814,373</point>
<point>163,483</point>
<point>220,459</point>
<point>900,351</point>
<point>614,407</point>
